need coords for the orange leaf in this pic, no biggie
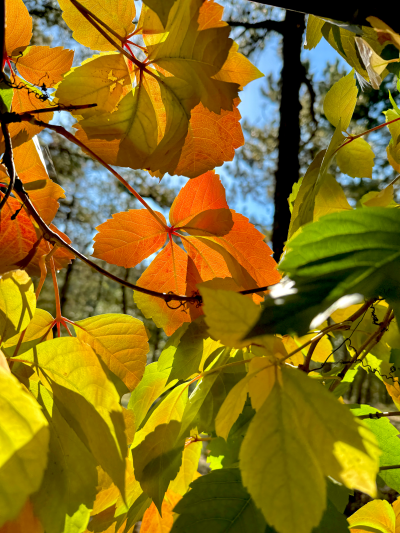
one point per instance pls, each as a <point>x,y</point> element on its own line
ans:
<point>205,192</point>
<point>152,521</point>
<point>18,26</point>
<point>44,65</point>
<point>167,273</point>
<point>31,168</point>
<point>129,237</point>
<point>20,246</point>
<point>211,140</point>
<point>25,98</point>
<point>26,522</point>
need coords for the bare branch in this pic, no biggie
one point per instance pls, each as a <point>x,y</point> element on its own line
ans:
<point>269,25</point>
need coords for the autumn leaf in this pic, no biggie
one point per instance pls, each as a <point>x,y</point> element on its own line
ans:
<point>154,522</point>
<point>18,27</point>
<point>377,515</point>
<point>42,65</point>
<point>218,242</point>
<point>25,522</point>
<point>38,330</point>
<point>17,304</point>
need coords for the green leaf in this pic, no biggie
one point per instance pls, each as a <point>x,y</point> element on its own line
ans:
<point>332,521</point>
<point>157,460</point>
<point>151,387</point>
<point>136,511</point>
<point>86,399</point>
<point>340,101</point>
<point>120,341</point>
<point>388,439</point>
<point>310,435</point>
<point>313,34</point>
<point>17,303</point>
<point>220,501</point>
<point>6,95</point>
<point>330,198</point>
<point>356,159</point>
<point>24,441</point>
<point>66,496</point>
<point>352,252</point>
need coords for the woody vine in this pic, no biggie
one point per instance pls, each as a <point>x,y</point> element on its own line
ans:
<point>250,353</point>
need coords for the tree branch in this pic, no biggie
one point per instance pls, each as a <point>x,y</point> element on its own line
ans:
<point>269,25</point>
<point>376,416</point>
<point>8,162</point>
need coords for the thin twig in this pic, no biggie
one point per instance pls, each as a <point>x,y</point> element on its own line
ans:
<point>393,467</point>
<point>8,162</point>
<point>376,416</point>
<point>354,137</point>
<point>59,107</point>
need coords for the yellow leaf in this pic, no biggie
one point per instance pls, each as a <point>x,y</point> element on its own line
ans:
<point>376,515</point>
<point>89,400</point>
<point>378,198</point>
<point>304,425</point>
<point>102,79</point>
<point>356,159</point>
<point>231,408</point>
<point>341,100</point>
<point>396,509</point>
<point>24,439</point>
<point>117,14</point>
<point>262,377</point>
<point>188,470</point>
<point>18,26</point>
<point>17,303</point>
<point>121,343</point>
<point>38,329</point>
<point>44,65</point>
<point>330,198</point>
<point>313,34</point>
<point>153,522</point>
<point>237,68</point>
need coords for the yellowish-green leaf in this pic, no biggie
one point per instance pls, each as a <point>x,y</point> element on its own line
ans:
<point>24,441</point>
<point>356,159</point>
<point>67,493</point>
<point>341,100</point>
<point>231,408</point>
<point>38,329</point>
<point>171,408</point>
<point>377,515</point>
<point>102,79</point>
<point>117,14</point>
<point>188,469</point>
<point>17,303</point>
<point>310,435</point>
<point>121,343</point>
<point>382,198</point>
<point>330,198</point>
<point>229,316</point>
<point>86,398</point>
<point>313,34</point>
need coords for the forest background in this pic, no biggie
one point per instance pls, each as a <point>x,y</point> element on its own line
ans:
<point>284,127</point>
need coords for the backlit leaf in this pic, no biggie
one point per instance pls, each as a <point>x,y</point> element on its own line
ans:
<point>129,237</point>
<point>220,499</point>
<point>310,435</point>
<point>188,469</point>
<point>66,496</point>
<point>330,198</point>
<point>102,80</point>
<point>121,343</point>
<point>17,304</point>
<point>377,515</point>
<point>157,460</point>
<point>153,522</point>
<point>86,398</point>
<point>24,440</point>
<point>314,34</point>
<point>117,14</point>
<point>44,65</point>
<point>38,329</point>
<point>340,101</point>
<point>25,522</point>
<point>18,26</point>
<point>356,159</point>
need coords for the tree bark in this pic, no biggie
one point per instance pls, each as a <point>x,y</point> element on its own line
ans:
<point>288,166</point>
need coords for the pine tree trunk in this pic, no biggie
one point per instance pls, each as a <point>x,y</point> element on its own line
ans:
<point>288,167</point>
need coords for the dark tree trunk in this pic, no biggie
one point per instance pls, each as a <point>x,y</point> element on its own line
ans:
<point>124,301</point>
<point>287,173</point>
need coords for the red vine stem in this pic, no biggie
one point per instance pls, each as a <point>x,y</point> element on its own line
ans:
<point>354,137</point>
